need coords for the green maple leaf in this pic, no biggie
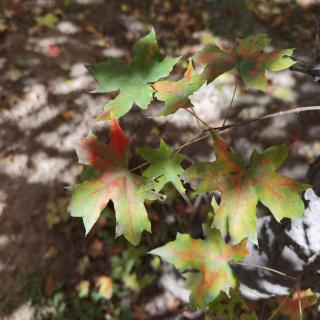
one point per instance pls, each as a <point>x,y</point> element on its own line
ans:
<point>176,94</point>
<point>115,183</point>
<point>248,58</point>
<point>210,258</point>
<point>164,165</point>
<point>132,80</point>
<point>243,186</point>
<point>49,20</point>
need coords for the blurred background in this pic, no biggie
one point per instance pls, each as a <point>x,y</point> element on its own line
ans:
<point>48,269</point>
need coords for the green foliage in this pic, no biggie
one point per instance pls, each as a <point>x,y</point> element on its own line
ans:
<point>206,261</point>
<point>210,258</point>
<point>132,80</point>
<point>176,94</point>
<point>164,166</point>
<point>125,267</point>
<point>229,306</point>
<point>116,183</point>
<point>247,57</point>
<point>243,186</point>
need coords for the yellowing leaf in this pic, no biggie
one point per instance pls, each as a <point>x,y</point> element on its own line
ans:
<point>105,287</point>
<point>176,94</point>
<point>57,212</point>
<point>132,81</point>
<point>49,20</point>
<point>210,258</point>
<point>131,282</point>
<point>243,186</point>
<point>249,59</point>
<point>115,183</point>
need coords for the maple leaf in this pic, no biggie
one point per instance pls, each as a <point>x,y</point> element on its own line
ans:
<point>115,183</point>
<point>249,59</point>
<point>132,81</point>
<point>175,93</point>
<point>243,186</point>
<point>291,306</point>
<point>210,258</point>
<point>164,166</point>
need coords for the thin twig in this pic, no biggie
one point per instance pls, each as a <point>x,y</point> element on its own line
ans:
<point>199,119</point>
<point>140,166</point>
<point>232,125</point>
<point>275,312</point>
<point>195,115</point>
<point>231,103</point>
<point>299,300</point>
<point>190,141</point>
<point>263,308</point>
<point>266,268</point>
<point>193,140</point>
<point>297,283</point>
<point>267,116</point>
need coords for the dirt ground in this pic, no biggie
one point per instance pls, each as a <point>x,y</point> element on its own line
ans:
<point>46,105</point>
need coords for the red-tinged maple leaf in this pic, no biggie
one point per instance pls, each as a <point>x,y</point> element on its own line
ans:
<point>248,58</point>
<point>176,94</point>
<point>115,183</point>
<point>291,305</point>
<point>210,258</point>
<point>243,186</point>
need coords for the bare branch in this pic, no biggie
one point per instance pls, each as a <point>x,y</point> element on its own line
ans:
<point>267,116</point>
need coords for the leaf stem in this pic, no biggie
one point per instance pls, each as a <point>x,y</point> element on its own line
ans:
<point>299,299</point>
<point>266,268</point>
<point>231,103</point>
<point>140,166</point>
<point>233,125</point>
<point>193,140</point>
<point>195,115</point>
<point>190,141</point>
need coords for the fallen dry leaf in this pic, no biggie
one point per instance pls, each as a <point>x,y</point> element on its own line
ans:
<point>51,252</point>
<point>104,285</point>
<point>83,288</point>
<point>96,248</point>
<point>49,285</point>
